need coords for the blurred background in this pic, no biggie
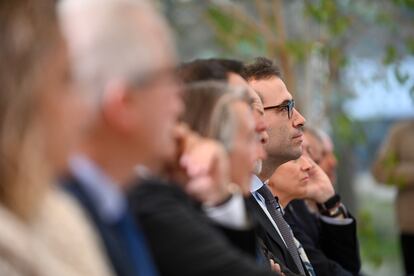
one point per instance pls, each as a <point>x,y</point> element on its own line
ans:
<point>349,65</point>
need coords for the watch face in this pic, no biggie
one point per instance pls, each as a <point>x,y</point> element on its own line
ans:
<point>334,212</point>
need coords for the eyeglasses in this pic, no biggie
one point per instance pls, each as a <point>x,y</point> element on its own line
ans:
<point>287,105</point>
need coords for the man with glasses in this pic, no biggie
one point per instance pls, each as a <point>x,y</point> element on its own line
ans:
<point>285,144</point>
<point>285,140</point>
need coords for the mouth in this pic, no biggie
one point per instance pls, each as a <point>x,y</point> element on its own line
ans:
<point>299,135</point>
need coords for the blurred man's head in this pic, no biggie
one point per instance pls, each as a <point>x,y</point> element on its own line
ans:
<point>230,71</point>
<point>313,144</point>
<point>319,147</point>
<point>123,58</point>
<point>209,69</point>
<point>216,110</point>
<point>328,162</point>
<point>284,121</point>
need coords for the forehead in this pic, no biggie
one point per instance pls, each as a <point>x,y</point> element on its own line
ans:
<point>244,116</point>
<point>273,90</point>
<point>236,80</point>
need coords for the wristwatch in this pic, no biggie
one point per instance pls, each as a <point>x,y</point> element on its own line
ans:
<point>332,207</point>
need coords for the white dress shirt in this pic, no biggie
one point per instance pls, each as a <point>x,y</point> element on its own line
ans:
<point>256,184</point>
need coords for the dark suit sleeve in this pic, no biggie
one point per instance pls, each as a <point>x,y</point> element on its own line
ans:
<point>320,262</point>
<point>332,249</point>
<point>340,243</point>
<point>182,241</point>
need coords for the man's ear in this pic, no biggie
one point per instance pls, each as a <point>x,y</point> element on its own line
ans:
<point>116,106</point>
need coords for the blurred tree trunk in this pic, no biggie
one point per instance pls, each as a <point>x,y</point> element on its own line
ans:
<point>282,53</point>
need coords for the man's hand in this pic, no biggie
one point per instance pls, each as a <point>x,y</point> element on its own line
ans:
<point>276,267</point>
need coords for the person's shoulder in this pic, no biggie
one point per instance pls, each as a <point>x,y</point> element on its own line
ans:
<point>13,232</point>
<point>63,227</point>
<point>155,194</point>
<point>154,187</point>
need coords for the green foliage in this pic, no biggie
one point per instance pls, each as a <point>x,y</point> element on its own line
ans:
<point>405,3</point>
<point>348,131</point>
<point>369,239</point>
<point>298,49</point>
<point>411,92</point>
<point>390,55</point>
<point>322,10</point>
<point>336,21</point>
<point>402,78</point>
<point>377,232</point>
<point>410,45</point>
<point>376,245</point>
<point>327,14</point>
<point>383,18</point>
<point>235,35</point>
<point>226,23</point>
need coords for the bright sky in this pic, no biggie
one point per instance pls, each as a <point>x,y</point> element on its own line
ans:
<point>378,93</point>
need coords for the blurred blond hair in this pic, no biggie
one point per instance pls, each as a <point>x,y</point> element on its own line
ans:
<point>28,34</point>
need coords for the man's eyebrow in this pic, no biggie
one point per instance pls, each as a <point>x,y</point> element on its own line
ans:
<point>285,101</point>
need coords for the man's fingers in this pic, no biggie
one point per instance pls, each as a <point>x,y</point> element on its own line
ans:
<point>276,267</point>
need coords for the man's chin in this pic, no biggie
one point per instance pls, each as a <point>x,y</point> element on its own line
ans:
<point>296,153</point>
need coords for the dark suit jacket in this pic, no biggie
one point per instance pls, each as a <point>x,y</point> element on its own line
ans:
<point>271,238</point>
<point>117,254</point>
<point>332,249</point>
<point>183,240</point>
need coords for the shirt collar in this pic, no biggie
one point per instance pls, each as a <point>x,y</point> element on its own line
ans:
<point>104,192</point>
<point>255,183</point>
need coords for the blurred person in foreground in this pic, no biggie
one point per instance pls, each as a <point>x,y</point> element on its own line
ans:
<point>285,144</point>
<point>395,165</point>
<point>41,118</point>
<point>123,54</point>
<point>229,71</point>
<point>115,47</point>
<point>208,234</point>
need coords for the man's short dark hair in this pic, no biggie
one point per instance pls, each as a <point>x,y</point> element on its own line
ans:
<point>261,68</point>
<point>209,69</point>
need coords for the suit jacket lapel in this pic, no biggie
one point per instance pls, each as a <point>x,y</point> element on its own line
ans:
<point>114,251</point>
<point>264,221</point>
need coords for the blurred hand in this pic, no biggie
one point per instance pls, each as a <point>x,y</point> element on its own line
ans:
<point>203,168</point>
<point>276,267</point>
<point>319,187</point>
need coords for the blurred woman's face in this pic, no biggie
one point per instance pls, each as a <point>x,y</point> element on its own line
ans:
<point>63,111</point>
<point>243,153</point>
<point>290,179</point>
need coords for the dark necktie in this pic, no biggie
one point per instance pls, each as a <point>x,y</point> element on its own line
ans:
<point>275,212</point>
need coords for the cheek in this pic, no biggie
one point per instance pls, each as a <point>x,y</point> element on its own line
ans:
<point>61,121</point>
<point>242,157</point>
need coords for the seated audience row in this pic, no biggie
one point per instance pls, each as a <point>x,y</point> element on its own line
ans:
<point>116,160</point>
